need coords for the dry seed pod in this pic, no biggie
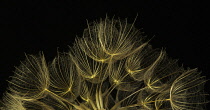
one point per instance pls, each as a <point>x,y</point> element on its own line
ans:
<point>109,68</point>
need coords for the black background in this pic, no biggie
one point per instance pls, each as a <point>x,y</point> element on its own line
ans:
<point>30,26</point>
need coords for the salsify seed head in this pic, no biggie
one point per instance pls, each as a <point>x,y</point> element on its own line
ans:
<point>111,67</point>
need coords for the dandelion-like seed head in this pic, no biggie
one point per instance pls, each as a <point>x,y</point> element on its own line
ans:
<point>111,67</point>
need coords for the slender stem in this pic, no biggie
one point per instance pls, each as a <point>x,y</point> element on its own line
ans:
<point>57,96</point>
<point>117,104</point>
<point>158,100</point>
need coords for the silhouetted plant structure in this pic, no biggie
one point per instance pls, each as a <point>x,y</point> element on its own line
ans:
<point>112,67</point>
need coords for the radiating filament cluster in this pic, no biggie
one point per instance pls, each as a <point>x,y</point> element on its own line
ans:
<point>111,67</point>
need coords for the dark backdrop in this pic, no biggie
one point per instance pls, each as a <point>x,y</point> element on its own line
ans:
<point>30,26</point>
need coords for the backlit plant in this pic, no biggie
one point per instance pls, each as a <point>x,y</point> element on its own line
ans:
<point>111,67</point>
